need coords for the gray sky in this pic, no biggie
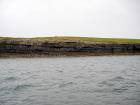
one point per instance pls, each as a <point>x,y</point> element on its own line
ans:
<point>95,18</point>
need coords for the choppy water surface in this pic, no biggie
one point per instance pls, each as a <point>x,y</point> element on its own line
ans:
<point>101,80</point>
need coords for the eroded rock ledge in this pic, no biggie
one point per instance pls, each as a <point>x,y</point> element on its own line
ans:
<point>66,48</point>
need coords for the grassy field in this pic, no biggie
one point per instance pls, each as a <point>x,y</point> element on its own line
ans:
<point>73,39</point>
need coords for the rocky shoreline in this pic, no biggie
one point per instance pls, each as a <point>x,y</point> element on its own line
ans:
<point>69,48</point>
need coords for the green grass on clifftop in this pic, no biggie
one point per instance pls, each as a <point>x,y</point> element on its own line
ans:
<point>73,39</point>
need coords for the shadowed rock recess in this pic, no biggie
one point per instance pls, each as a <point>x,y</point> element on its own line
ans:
<point>32,48</point>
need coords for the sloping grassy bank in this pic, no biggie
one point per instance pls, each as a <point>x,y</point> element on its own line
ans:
<point>73,39</point>
<point>69,46</point>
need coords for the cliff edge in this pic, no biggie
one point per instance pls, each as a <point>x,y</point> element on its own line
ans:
<point>67,46</point>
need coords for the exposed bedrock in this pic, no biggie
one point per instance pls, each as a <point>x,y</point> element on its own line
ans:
<point>61,47</point>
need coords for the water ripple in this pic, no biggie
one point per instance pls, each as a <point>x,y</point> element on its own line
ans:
<point>62,85</point>
<point>118,78</point>
<point>22,87</point>
<point>11,78</point>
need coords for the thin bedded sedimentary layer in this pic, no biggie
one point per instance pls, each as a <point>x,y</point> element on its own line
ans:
<point>66,47</point>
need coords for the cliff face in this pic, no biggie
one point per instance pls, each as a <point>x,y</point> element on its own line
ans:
<point>67,47</point>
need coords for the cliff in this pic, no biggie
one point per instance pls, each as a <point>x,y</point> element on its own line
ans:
<point>67,47</point>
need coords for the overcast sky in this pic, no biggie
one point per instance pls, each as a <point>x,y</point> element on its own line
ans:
<point>95,18</point>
